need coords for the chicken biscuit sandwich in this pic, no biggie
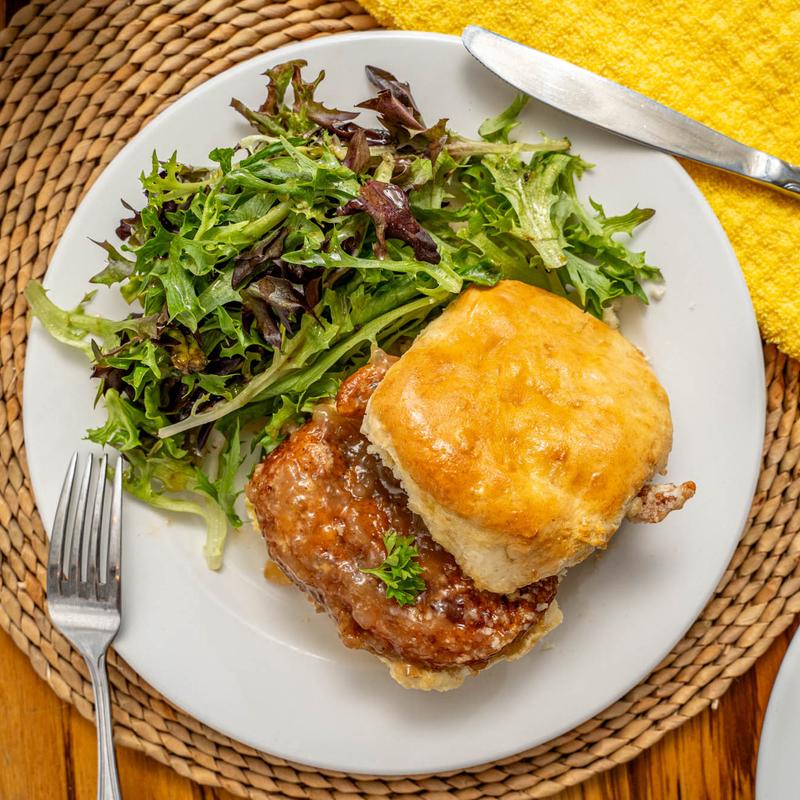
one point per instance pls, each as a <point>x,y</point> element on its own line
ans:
<point>433,509</point>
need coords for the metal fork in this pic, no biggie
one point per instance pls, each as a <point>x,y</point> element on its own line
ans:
<point>83,588</point>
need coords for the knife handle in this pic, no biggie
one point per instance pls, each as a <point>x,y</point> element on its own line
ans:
<point>774,171</point>
<point>683,136</point>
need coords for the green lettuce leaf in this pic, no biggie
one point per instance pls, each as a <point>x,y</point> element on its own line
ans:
<point>223,488</point>
<point>498,129</point>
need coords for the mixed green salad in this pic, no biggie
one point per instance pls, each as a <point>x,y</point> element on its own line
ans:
<point>257,283</point>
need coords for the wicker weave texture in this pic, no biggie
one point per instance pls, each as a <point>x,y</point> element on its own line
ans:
<point>77,80</point>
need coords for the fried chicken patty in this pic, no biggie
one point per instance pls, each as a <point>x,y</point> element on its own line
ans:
<point>324,502</point>
<point>656,501</point>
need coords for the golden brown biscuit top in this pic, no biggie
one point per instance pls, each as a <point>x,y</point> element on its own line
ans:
<point>521,413</point>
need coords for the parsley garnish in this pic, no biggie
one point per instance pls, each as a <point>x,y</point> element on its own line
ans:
<point>400,571</point>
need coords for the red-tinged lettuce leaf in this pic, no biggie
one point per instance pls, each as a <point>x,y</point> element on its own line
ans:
<point>306,114</point>
<point>279,78</point>
<point>312,291</point>
<point>109,377</point>
<point>401,91</point>
<point>388,207</point>
<point>357,157</point>
<point>435,137</point>
<point>328,118</point>
<point>247,264</point>
<point>394,116</point>
<point>374,136</point>
<point>281,297</point>
<point>306,107</point>
<point>254,308</point>
<point>127,224</point>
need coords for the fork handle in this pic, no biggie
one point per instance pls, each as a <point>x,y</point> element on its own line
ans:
<point>107,777</point>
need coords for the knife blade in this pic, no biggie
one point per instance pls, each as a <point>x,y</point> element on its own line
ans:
<point>621,111</point>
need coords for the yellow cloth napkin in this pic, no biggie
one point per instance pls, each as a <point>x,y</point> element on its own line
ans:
<point>731,65</point>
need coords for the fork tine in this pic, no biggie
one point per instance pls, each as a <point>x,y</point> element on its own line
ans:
<point>93,565</point>
<point>115,534</point>
<point>78,526</point>
<point>55,559</point>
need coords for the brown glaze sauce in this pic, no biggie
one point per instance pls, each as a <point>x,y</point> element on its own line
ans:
<point>324,502</point>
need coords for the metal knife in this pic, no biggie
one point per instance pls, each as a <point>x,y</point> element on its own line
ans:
<point>622,111</point>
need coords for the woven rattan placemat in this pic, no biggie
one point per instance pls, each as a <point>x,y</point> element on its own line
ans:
<point>77,80</point>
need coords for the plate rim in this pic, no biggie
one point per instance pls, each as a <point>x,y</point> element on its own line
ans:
<point>711,222</point>
<point>787,678</point>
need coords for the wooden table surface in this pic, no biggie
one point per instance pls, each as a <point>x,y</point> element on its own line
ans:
<point>47,750</point>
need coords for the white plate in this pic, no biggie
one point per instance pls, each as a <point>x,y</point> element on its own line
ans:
<point>252,659</point>
<point>776,775</point>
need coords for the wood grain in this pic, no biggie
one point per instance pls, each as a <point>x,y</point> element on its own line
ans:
<point>47,750</point>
